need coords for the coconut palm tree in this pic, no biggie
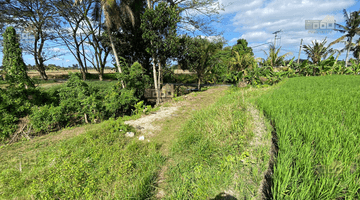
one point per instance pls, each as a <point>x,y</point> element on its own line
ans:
<point>114,13</point>
<point>273,57</point>
<point>350,29</point>
<point>356,50</point>
<point>317,50</point>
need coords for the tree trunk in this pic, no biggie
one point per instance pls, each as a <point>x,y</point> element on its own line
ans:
<point>82,45</point>
<point>159,75</point>
<point>116,58</point>
<point>155,81</point>
<point>347,53</point>
<point>314,71</point>
<point>41,70</point>
<point>83,73</point>
<point>101,77</point>
<point>199,83</point>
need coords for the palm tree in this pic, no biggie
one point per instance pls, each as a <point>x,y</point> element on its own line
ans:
<point>356,50</point>
<point>350,29</point>
<point>114,13</point>
<point>317,51</point>
<point>273,57</point>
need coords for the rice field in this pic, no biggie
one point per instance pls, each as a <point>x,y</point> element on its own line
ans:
<point>317,123</point>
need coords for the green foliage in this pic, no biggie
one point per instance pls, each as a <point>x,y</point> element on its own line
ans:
<point>79,101</point>
<point>198,55</point>
<point>242,47</point>
<point>101,164</point>
<point>135,79</point>
<point>159,28</point>
<point>317,129</point>
<point>16,103</point>
<point>210,153</point>
<point>317,51</point>
<point>273,57</point>
<point>47,117</point>
<point>13,62</point>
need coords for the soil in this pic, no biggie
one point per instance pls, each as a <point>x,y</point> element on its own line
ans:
<point>144,124</point>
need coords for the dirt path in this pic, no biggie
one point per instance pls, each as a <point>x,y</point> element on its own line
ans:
<point>144,124</point>
<point>260,141</point>
<point>161,126</point>
<point>173,114</point>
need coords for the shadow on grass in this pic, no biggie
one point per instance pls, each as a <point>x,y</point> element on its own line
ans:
<point>223,196</point>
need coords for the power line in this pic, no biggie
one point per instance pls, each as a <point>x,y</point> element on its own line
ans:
<point>261,44</point>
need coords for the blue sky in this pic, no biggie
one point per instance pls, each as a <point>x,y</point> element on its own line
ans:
<point>256,21</point>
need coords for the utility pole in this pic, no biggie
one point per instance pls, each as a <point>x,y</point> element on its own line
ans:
<point>276,32</point>
<point>300,51</point>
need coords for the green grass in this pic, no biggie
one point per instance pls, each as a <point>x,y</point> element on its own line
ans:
<point>211,155</point>
<point>100,164</point>
<point>317,122</point>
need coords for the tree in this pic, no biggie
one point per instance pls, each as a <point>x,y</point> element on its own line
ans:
<point>273,58</point>
<point>242,56</point>
<point>113,13</point>
<point>37,17</point>
<point>129,42</point>
<point>351,29</point>
<point>242,48</point>
<point>13,62</point>
<point>317,50</point>
<point>159,27</point>
<point>198,55</point>
<point>197,15</point>
<point>356,50</point>
<point>98,41</point>
<point>74,17</point>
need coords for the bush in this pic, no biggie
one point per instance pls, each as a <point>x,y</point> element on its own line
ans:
<point>47,117</point>
<point>78,99</point>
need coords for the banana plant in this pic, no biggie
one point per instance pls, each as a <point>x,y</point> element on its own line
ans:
<point>355,67</point>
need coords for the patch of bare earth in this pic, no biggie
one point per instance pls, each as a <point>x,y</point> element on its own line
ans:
<point>144,124</point>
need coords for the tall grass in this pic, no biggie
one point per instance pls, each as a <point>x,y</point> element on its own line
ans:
<point>210,155</point>
<point>100,164</point>
<point>317,122</point>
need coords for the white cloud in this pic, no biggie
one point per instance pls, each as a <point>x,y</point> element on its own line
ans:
<point>232,6</point>
<point>287,14</point>
<point>57,49</point>
<point>257,20</point>
<point>56,59</point>
<point>67,60</point>
<point>212,38</point>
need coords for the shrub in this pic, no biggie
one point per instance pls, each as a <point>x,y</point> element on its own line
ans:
<point>47,117</point>
<point>13,62</point>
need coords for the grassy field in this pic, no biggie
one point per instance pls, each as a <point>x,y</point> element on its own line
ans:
<point>209,154</point>
<point>212,155</point>
<point>216,146</point>
<point>317,124</point>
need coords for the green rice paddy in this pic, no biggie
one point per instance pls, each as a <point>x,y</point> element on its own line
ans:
<point>317,123</point>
